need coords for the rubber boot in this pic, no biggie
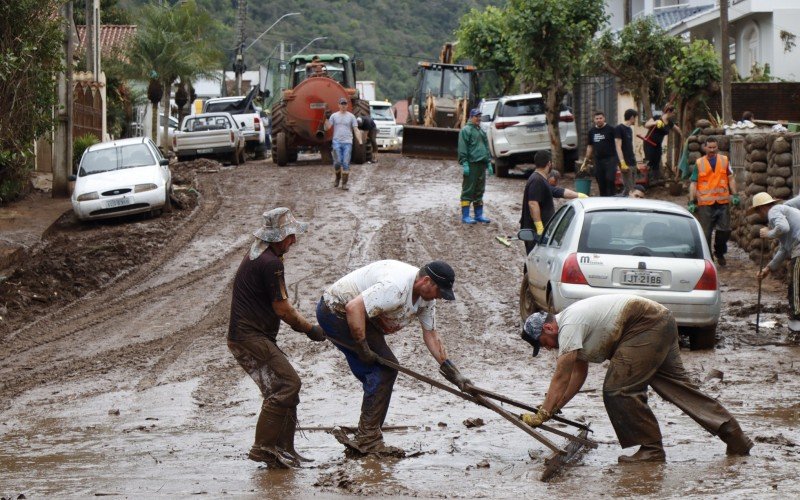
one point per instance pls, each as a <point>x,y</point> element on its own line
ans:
<point>286,439</point>
<point>270,425</point>
<point>732,435</point>
<point>337,178</point>
<point>479,215</point>
<point>653,452</point>
<point>345,176</point>
<point>465,218</point>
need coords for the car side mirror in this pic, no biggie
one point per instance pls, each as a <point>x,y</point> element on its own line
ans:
<point>527,235</point>
<point>72,178</point>
<point>163,162</point>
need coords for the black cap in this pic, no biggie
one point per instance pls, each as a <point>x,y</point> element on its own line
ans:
<point>443,275</point>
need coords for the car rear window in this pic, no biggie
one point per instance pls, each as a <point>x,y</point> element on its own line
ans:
<point>203,123</point>
<point>632,232</point>
<point>522,107</point>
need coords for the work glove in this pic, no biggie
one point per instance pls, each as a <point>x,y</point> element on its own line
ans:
<point>317,334</point>
<point>735,200</point>
<point>585,166</point>
<point>659,123</point>
<point>489,168</point>
<point>623,166</point>
<point>539,227</point>
<point>365,354</point>
<point>465,168</point>
<point>451,373</point>
<point>691,207</point>
<point>583,195</point>
<point>536,419</point>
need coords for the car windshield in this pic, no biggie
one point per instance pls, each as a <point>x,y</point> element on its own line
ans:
<point>382,113</point>
<point>108,159</point>
<point>639,233</point>
<point>201,123</point>
<point>523,107</point>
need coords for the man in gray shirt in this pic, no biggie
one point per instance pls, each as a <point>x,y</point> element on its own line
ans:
<point>640,338</point>
<point>784,224</point>
<point>345,128</point>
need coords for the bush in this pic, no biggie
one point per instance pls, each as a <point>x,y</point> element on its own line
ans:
<point>79,146</point>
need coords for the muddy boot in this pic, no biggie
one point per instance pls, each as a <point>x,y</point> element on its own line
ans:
<point>337,178</point>
<point>366,444</point>
<point>731,434</point>
<point>479,215</point>
<point>286,439</point>
<point>369,438</point>
<point>653,452</point>
<point>345,176</point>
<point>268,430</point>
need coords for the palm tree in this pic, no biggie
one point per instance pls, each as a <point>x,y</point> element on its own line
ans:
<point>171,43</point>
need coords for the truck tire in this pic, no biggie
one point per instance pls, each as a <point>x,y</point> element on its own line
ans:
<point>702,337</point>
<point>242,157</point>
<point>278,125</point>
<point>234,159</point>
<point>293,155</point>
<point>501,167</point>
<point>282,151</point>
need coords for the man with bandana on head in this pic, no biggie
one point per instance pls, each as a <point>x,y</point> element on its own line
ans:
<point>640,338</point>
<point>258,306</point>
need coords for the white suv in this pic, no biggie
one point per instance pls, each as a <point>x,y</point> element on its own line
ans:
<point>519,130</point>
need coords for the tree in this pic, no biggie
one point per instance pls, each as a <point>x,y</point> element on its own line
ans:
<point>483,38</point>
<point>172,43</point>
<point>640,55</point>
<point>695,75</point>
<point>30,60</point>
<point>548,40</point>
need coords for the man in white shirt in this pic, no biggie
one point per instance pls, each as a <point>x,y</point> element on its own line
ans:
<point>640,338</point>
<point>369,303</point>
<point>345,128</point>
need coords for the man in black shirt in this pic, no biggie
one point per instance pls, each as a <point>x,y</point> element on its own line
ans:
<point>658,127</point>
<point>601,144</point>
<point>623,137</point>
<point>258,305</point>
<point>367,124</point>
<point>537,202</point>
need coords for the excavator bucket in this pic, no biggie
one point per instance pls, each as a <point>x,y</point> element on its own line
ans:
<point>432,143</point>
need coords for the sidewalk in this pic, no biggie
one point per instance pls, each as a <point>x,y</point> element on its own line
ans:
<point>23,222</point>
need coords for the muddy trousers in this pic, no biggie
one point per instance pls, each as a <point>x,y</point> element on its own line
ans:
<point>376,380</point>
<point>279,385</point>
<point>474,185</point>
<point>652,156</point>
<point>716,219</point>
<point>605,173</point>
<point>652,358</point>
<point>794,296</point>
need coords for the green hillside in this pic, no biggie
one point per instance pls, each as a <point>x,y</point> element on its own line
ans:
<point>391,36</point>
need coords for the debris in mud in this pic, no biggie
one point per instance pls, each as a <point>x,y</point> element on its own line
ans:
<point>442,424</point>
<point>779,440</point>
<point>483,464</point>
<point>742,311</point>
<point>113,411</point>
<point>713,374</point>
<point>473,422</point>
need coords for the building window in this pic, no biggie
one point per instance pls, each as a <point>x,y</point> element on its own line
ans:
<point>750,47</point>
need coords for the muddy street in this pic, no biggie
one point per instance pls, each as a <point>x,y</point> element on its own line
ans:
<point>131,391</point>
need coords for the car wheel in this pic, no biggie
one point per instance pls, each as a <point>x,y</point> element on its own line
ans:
<point>501,167</point>
<point>168,201</point>
<point>527,305</point>
<point>702,338</point>
<point>242,157</point>
<point>551,308</point>
<point>281,150</point>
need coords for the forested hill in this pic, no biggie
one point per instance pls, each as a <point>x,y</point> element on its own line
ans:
<point>390,35</point>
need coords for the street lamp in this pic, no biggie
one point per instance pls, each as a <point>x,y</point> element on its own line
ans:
<point>309,43</point>
<point>239,64</point>
<point>273,25</point>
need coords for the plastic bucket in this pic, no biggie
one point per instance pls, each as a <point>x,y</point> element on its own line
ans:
<point>583,186</point>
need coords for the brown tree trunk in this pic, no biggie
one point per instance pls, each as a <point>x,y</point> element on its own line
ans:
<point>553,114</point>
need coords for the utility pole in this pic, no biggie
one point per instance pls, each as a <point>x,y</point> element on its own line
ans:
<point>62,150</point>
<point>92,38</point>
<point>727,112</point>
<point>238,64</point>
<point>628,14</point>
<point>283,72</point>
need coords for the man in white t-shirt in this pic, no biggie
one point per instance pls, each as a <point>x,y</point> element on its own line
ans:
<point>640,338</point>
<point>364,306</point>
<point>345,128</point>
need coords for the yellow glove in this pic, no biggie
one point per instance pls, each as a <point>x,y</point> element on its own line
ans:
<point>537,419</point>
<point>539,227</point>
<point>582,195</point>
<point>623,166</point>
<point>659,124</point>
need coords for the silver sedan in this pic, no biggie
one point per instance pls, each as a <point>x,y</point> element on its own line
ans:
<point>609,245</point>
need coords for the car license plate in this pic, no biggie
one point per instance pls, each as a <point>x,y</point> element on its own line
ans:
<point>117,202</point>
<point>535,126</point>
<point>204,151</point>
<point>642,278</point>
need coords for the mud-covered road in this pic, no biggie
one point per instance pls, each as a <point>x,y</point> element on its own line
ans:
<point>130,389</point>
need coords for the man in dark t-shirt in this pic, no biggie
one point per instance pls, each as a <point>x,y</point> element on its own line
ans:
<point>537,202</point>
<point>658,127</point>
<point>258,305</point>
<point>601,144</point>
<point>623,137</point>
<point>367,124</point>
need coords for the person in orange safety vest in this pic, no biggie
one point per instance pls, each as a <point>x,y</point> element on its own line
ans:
<point>711,193</point>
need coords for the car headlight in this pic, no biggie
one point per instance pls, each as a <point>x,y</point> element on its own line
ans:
<point>88,196</point>
<point>140,188</point>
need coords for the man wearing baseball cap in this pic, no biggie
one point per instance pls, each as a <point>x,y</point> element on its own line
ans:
<point>473,156</point>
<point>783,224</point>
<point>258,305</point>
<point>640,338</point>
<point>359,310</point>
<point>345,128</point>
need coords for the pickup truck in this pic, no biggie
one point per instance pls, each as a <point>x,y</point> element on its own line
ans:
<point>210,135</point>
<point>247,117</point>
<point>390,134</point>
